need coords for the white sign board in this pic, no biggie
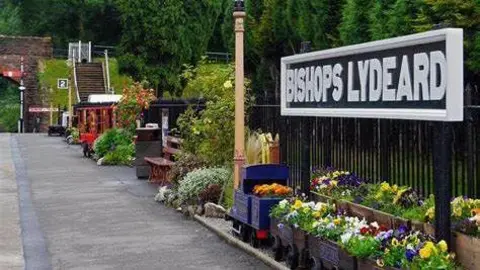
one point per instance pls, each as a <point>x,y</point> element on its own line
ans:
<point>418,77</point>
<point>62,83</point>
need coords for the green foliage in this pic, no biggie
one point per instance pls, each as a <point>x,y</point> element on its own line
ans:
<point>355,21</point>
<point>117,81</point>
<point>184,163</point>
<point>401,17</point>
<point>96,20</point>
<point>379,18</point>
<point>9,106</point>
<point>206,79</point>
<point>455,13</point>
<point>111,140</point>
<point>50,71</point>
<point>160,36</point>
<point>10,22</point>
<point>197,181</point>
<point>121,155</point>
<point>363,247</point>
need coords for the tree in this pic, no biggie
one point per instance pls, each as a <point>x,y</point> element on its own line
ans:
<point>455,13</point>
<point>10,22</point>
<point>354,27</point>
<point>159,37</point>
<point>67,20</point>
<point>379,19</point>
<point>401,17</point>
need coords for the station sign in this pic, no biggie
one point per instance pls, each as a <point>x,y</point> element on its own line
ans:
<point>62,83</point>
<point>35,109</point>
<point>417,77</point>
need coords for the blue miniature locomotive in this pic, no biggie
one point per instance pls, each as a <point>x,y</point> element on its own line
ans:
<point>250,213</point>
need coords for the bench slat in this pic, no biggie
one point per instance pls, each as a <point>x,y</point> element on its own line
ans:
<point>159,161</point>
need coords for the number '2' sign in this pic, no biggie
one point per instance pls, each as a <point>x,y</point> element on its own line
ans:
<point>62,83</point>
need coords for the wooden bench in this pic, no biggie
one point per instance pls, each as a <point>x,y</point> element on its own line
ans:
<point>160,166</point>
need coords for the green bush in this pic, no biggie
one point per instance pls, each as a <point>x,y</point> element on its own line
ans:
<point>184,163</point>
<point>110,140</point>
<point>121,155</point>
<point>197,181</point>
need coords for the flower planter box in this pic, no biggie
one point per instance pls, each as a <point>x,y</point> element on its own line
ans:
<point>328,255</point>
<point>300,241</point>
<point>361,211</point>
<point>367,264</point>
<point>282,231</point>
<point>467,249</point>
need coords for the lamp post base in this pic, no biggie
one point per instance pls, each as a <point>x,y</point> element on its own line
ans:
<point>239,161</point>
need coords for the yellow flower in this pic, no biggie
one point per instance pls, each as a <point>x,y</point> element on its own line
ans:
<point>457,211</point>
<point>334,183</point>
<point>384,186</point>
<point>443,246</point>
<point>425,252</point>
<point>429,245</point>
<point>228,84</point>
<point>297,204</point>
<point>394,188</point>
<point>395,242</point>
<point>336,221</point>
<point>316,214</point>
<point>430,214</point>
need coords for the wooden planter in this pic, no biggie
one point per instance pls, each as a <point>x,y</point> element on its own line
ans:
<point>467,249</point>
<point>300,241</point>
<point>328,255</point>
<point>367,264</point>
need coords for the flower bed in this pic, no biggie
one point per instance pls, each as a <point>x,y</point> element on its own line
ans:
<point>333,234</point>
<point>395,206</point>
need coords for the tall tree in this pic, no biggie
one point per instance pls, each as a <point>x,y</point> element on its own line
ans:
<point>159,37</point>
<point>10,22</point>
<point>379,19</point>
<point>402,16</point>
<point>455,13</point>
<point>355,21</point>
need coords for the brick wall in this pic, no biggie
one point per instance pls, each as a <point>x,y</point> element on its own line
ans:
<point>32,49</point>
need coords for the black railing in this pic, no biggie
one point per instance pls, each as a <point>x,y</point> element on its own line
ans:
<point>397,151</point>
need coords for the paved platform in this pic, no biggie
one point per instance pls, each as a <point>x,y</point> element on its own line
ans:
<point>11,252</point>
<point>82,216</point>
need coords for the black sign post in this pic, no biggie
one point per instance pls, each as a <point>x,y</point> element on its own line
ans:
<point>415,77</point>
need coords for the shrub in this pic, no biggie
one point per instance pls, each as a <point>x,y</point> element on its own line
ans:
<point>197,181</point>
<point>110,140</point>
<point>185,163</point>
<point>211,193</point>
<point>121,155</point>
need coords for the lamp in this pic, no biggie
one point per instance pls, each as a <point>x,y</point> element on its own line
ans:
<point>239,5</point>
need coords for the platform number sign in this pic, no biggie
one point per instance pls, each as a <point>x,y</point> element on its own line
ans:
<point>62,83</point>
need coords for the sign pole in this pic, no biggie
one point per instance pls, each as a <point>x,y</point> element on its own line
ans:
<point>442,174</point>
<point>306,136</point>
<point>70,110</point>
<point>239,157</point>
<point>22,91</point>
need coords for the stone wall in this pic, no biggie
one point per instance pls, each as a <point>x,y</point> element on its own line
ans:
<point>32,49</point>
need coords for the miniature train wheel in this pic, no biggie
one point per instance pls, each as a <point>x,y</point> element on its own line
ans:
<point>292,257</point>
<point>277,248</point>
<point>254,242</point>
<point>244,233</point>
<point>314,264</point>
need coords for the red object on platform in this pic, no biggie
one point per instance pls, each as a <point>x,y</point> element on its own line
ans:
<point>12,73</point>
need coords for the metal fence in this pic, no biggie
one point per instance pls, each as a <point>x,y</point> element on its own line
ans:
<point>397,151</point>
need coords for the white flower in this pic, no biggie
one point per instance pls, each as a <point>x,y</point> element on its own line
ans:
<point>375,225</point>
<point>315,224</point>
<point>311,204</point>
<point>295,225</point>
<point>319,206</point>
<point>346,237</point>
<point>283,203</point>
